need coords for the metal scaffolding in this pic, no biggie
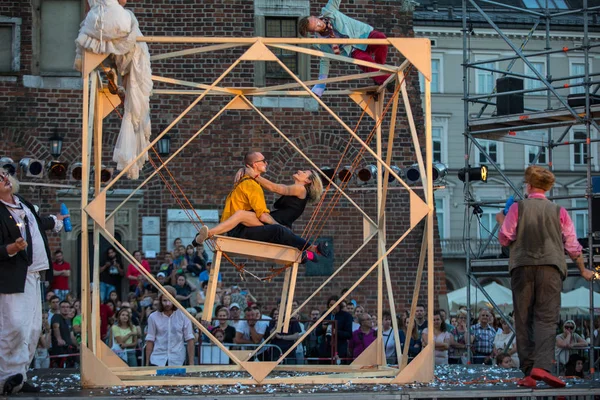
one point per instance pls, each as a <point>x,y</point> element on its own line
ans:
<point>504,128</point>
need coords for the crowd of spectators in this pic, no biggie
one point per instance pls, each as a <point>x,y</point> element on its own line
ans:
<point>144,328</point>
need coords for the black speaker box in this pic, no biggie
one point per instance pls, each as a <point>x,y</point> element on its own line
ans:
<point>509,103</point>
<point>578,99</point>
<point>596,214</point>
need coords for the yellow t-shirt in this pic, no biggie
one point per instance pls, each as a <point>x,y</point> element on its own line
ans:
<point>118,331</point>
<point>248,195</point>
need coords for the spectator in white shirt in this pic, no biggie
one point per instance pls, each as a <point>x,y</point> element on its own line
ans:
<point>169,334</point>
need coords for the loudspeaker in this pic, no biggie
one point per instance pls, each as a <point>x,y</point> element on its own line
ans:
<point>596,204</point>
<point>509,103</point>
<point>596,214</point>
<point>578,100</point>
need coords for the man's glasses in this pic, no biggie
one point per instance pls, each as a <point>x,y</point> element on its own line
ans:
<point>264,160</point>
<point>569,327</point>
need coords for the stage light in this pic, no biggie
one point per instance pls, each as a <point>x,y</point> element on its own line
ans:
<point>57,170</point>
<point>439,171</point>
<point>398,172</point>
<point>8,164</point>
<point>76,172</point>
<point>345,174</point>
<point>367,173</point>
<point>475,174</point>
<point>328,172</point>
<point>412,173</point>
<point>32,168</point>
<point>105,174</point>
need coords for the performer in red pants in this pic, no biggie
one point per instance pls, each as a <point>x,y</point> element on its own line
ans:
<point>334,24</point>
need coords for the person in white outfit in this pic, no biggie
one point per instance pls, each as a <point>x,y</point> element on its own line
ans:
<point>170,333</point>
<point>24,253</point>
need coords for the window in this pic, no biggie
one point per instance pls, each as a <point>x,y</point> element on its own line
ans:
<point>484,80</point>
<point>441,212</point>
<point>579,149</point>
<point>437,137</point>
<point>180,226</point>
<point>552,4</point>
<point>577,68</point>
<point>580,217</point>
<point>492,149</point>
<point>436,76</point>
<point>532,151</point>
<point>281,27</point>
<point>540,67</point>
<point>10,46</point>
<point>58,29</point>
<point>487,222</point>
<point>279,19</point>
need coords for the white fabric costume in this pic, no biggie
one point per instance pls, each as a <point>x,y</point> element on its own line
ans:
<point>109,28</point>
<point>21,313</point>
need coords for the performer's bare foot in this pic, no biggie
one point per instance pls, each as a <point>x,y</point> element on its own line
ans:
<point>202,235</point>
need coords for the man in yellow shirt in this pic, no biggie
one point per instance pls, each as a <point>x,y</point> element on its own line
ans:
<point>248,195</point>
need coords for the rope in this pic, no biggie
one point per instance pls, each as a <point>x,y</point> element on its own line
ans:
<point>314,224</point>
<point>319,224</point>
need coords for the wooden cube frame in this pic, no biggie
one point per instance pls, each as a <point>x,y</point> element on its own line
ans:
<point>100,367</point>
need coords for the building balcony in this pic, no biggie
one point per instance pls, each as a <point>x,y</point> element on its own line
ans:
<point>455,248</point>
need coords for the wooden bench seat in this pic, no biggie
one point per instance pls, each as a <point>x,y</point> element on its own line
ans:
<point>260,251</point>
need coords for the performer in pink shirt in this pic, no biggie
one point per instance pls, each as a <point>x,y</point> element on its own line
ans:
<point>538,232</point>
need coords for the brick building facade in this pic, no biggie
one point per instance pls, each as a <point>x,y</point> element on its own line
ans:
<point>35,103</point>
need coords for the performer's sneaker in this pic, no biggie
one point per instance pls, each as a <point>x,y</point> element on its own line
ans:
<point>307,256</point>
<point>527,382</point>
<point>323,249</point>
<point>202,235</point>
<point>12,383</point>
<point>542,375</point>
<point>29,388</point>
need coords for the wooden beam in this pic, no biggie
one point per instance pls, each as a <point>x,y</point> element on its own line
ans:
<point>290,298</point>
<point>195,50</point>
<point>349,60</point>
<point>265,40</point>
<point>370,356</point>
<point>211,290</point>
<point>97,374</point>
<point>263,251</point>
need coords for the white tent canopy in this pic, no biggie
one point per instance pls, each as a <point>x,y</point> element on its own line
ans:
<point>501,295</point>
<point>577,301</point>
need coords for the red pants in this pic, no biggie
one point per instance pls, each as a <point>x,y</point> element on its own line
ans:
<point>375,53</point>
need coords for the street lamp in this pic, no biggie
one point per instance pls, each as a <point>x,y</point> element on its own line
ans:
<point>56,145</point>
<point>164,146</point>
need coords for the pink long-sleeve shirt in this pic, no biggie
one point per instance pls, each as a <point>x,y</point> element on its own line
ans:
<point>508,230</point>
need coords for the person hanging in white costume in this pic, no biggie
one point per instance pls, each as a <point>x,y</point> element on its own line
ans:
<point>24,253</point>
<point>111,29</point>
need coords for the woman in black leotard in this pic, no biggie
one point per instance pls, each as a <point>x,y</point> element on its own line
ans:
<point>307,188</point>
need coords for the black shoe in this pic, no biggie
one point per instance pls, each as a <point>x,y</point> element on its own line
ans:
<point>11,383</point>
<point>323,249</point>
<point>391,87</point>
<point>29,388</point>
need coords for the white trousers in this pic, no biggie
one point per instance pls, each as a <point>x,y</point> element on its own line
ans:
<point>20,328</point>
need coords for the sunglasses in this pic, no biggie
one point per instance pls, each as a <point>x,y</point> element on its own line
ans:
<point>569,327</point>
